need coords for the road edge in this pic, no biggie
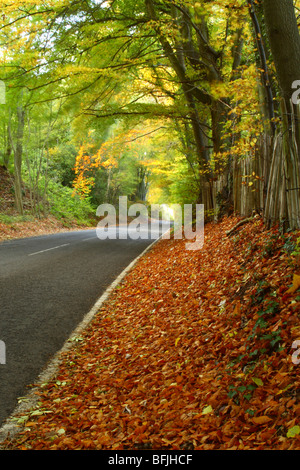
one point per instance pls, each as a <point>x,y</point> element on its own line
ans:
<point>11,428</point>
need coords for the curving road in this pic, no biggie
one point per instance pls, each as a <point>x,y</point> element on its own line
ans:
<point>47,285</point>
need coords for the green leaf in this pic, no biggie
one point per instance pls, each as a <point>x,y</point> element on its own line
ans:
<point>257,381</point>
<point>294,431</point>
<point>248,396</point>
<point>37,413</point>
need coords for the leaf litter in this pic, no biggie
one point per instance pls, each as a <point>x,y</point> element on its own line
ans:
<point>192,351</point>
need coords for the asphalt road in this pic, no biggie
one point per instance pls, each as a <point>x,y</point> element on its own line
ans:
<point>47,285</point>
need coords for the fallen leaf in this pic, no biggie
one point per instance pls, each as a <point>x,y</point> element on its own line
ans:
<point>261,419</point>
<point>257,381</point>
<point>294,431</point>
<point>296,284</point>
<point>208,409</point>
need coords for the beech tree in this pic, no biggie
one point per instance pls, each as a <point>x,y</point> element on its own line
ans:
<point>204,69</point>
<point>283,33</point>
<point>284,38</point>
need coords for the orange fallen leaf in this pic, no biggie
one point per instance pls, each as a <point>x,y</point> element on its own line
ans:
<point>237,309</point>
<point>261,419</point>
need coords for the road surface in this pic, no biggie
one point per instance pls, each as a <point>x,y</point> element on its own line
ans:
<point>47,285</point>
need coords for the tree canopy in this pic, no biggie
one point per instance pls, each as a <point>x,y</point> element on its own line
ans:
<point>186,100</point>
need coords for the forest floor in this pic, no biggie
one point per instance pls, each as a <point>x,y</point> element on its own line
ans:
<point>12,225</point>
<point>36,227</point>
<point>194,350</point>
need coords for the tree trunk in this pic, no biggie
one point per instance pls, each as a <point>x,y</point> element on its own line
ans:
<point>283,186</point>
<point>8,148</point>
<point>284,38</point>
<point>18,153</point>
<point>265,74</point>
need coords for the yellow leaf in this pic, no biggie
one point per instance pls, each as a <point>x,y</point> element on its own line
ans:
<point>257,381</point>
<point>177,340</point>
<point>208,409</point>
<point>296,284</point>
<point>294,431</point>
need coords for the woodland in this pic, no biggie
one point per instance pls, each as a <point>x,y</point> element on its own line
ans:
<point>168,102</point>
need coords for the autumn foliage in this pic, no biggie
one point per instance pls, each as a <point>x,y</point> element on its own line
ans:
<point>192,351</point>
<point>92,156</point>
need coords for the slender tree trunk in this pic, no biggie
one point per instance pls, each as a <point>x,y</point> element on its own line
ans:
<point>107,199</point>
<point>18,153</point>
<point>8,148</point>
<point>265,74</point>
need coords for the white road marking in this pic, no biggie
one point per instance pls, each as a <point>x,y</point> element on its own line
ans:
<point>49,249</point>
